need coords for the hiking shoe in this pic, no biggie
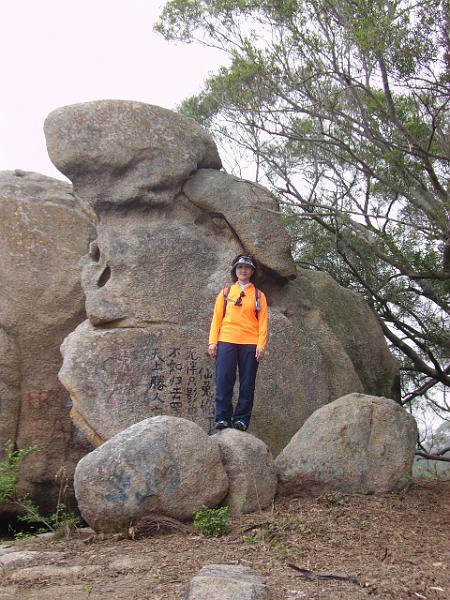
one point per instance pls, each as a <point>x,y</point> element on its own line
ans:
<point>222,425</point>
<point>240,425</point>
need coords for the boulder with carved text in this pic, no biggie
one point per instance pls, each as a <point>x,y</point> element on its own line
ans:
<point>169,226</point>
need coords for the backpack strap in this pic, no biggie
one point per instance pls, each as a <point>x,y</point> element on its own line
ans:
<point>225,300</point>
<point>257,301</point>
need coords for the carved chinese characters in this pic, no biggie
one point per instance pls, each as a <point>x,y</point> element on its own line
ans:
<point>142,373</point>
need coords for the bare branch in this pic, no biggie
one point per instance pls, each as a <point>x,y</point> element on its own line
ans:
<point>432,456</point>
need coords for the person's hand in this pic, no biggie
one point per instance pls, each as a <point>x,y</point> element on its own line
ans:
<point>212,350</point>
<point>259,354</point>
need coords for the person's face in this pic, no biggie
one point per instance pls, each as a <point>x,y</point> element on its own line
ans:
<point>243,273</point>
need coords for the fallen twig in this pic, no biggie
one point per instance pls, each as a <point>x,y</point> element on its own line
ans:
<point>254,526</point>
<point>312,576</point>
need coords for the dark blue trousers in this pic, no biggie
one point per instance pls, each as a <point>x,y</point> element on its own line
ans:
<point>229,358</point>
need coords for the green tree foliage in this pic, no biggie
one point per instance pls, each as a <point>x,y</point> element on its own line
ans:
<point>342,106</point>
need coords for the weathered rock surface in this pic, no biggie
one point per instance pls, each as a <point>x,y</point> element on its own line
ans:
<point>132,564</point>
<point>251,212</point>
<point>156,267</point>
<point>357,443</point>
<point>44,230</point>
<point>163,465</point>
<point>122,152</point>
<point>349,328</point>
<point>46,573</point>
<point>10,380</point>
<point>251,471</point>
<point>25,558</point>
<point>227,582</point>
<point>170,225</point>
<point>144,372</point>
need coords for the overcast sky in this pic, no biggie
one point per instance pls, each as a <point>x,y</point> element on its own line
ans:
<point>59,52</point>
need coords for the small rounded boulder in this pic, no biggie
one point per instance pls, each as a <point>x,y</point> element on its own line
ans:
<point>163,465</point>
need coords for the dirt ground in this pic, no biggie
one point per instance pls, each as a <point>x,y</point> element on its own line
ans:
<point>353,547</point>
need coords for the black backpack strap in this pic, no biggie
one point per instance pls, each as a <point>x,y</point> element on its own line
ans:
<point>225,300</point>
<point>258,301</point>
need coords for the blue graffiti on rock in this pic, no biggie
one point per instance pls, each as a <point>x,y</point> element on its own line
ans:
<point>167,477</point>
<point>120,483</point>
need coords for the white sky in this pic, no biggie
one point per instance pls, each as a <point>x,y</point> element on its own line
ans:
<point>59,52</point>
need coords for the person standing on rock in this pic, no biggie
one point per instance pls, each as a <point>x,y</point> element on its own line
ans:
<point>237,340</point>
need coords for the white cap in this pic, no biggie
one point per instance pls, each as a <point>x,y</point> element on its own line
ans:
<point>245,260</point>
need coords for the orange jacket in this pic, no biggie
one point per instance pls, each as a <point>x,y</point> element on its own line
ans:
<point>240,324</point>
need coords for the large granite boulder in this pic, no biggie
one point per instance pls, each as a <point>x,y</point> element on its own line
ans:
<point>126,152</point>
<point>357,443</point>
<point>162,465</point>
<point>227,582</point>
<point>44,230</point>
<point>251,471</point>
<point>163,251</point>
<point>248,209</point>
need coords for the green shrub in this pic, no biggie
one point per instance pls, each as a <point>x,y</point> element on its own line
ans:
<point>9,471</point>
<point>404,483</point>
<point>60,520</point>
<point>332,498</point>
<point>259,533</point>
<point>212,522</point>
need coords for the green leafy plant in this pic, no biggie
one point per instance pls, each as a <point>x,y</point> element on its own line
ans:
<point>333,498</point>
<point>405,482</point>
<point>9,470</point>
<point>87,587</point>
<point>338,538</point>
<point>61,520</point>
<point>212,522</point>
<point>22,535</point>
<point>283,550</point>
<point>258,533</point>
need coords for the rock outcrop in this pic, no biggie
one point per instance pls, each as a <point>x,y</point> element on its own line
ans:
<point>170,224</point>
<point>44,230</point>
<point>227,582</point>
<point>118,153</point>
<point>357,443</point>
<point>162,465</point>
<point>251,471</point>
